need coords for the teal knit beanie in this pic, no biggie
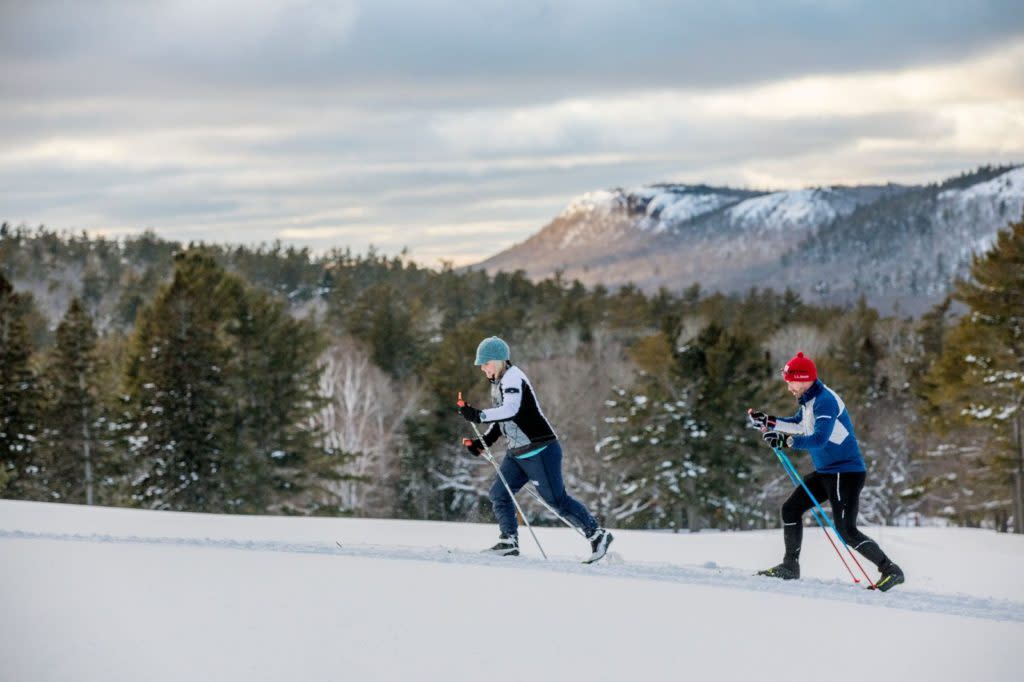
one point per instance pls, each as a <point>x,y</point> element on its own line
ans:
<point>491,348</point>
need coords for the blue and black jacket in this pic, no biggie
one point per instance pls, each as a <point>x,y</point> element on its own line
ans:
<point>822,426</point>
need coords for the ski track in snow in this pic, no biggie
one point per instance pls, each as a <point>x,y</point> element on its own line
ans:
<point>613,566</point>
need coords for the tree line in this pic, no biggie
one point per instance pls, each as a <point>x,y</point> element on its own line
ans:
<point>268,379</point>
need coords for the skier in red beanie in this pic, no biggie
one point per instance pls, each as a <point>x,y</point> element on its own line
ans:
<point>822,426</point>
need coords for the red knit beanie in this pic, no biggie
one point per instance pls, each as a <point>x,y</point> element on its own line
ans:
<point>800,369</point>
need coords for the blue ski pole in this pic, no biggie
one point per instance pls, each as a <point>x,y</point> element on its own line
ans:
<point>795,478</point>
<point>816,510</point>
<point>795,475</point>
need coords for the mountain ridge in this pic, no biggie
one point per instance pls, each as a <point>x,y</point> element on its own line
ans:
<point>899,246</point>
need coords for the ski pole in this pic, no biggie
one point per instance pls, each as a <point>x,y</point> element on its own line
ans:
<point>794,476</point>
<point>490,458</point>
<point>552,510</point>
<point>789,466</point>
<point>814,512</point>
<point>849,550</point>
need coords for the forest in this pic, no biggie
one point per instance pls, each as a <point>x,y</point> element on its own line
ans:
<point>268,379</point>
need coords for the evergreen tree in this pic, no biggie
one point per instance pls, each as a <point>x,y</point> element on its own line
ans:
<point>857,366</point>
<point>436,476</point>
<point>979,378</point>
<point>20,400</point>
<point>224,387</point>
<point>852,360</point>
<point>888,422</point>
<point>274,366</point>
<point>950,457</point>
<point>385,319</point>
<point>691,459</point>
<point>76,451</point>
<point>185,453</point>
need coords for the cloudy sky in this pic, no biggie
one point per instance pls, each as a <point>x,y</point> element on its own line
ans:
<point>457,128</point>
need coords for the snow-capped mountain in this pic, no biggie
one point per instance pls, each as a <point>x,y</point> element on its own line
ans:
<point>894,244</point>
<point>637,214</point>
<point>908,249</point>
<point>991,201</point>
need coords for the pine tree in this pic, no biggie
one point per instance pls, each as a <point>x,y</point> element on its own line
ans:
<point>185,455</point>
<point>20,400</point>
<point>684,442</point>
<point>888,423</point>
<point>74,440</point>
<point>864,366</point>
<point>979,379</point>
<point>386,320</point>
<point>951,458</point>
<point>436,475</point>
<point>224,388</point>
<point>274,366</point>
<point>851,362</point>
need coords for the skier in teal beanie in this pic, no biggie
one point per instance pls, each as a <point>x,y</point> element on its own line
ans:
<point>533,451</point>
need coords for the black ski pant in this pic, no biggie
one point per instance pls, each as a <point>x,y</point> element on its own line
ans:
<point>842,490</point>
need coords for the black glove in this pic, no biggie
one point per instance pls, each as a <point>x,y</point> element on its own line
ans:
<point>763,421</point>
<point>469,413</point>
<point>474,446</point>
<point>778,440</point>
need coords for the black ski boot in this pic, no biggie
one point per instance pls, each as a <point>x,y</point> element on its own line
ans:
<point>599,541</point>
<point>508,545</point>
<point>892,575</point>
<point>787,570</point>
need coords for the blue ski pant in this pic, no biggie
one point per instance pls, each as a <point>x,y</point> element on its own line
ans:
<point>543,468</point>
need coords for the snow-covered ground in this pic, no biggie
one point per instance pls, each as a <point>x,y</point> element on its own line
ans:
<point>93,594</point>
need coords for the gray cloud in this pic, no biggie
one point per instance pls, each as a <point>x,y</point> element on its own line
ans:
<point>446,51</point>
<point>455,128</point>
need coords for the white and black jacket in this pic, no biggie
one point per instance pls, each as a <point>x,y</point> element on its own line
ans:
<point>516,414</point>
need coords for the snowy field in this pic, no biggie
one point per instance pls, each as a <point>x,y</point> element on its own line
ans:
<point>110,595</point>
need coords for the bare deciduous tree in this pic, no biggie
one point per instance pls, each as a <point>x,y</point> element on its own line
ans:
<point>363,418</point>
<point>791,338</point>
<point>574,380</point>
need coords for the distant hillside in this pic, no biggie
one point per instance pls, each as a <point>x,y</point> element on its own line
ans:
<point>114,278</point>
<point>900,246</point>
